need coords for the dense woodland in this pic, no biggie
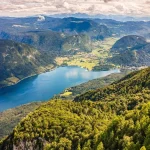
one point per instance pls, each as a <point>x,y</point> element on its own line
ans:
<point>138,81</point>
<point>114,117</point>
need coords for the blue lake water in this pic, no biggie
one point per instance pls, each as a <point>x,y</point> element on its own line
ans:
<point>44,86</point>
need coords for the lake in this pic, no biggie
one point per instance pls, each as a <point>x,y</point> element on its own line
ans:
<point>44,86</point>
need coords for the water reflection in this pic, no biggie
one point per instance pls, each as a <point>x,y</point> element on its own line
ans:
<point>72,74</point>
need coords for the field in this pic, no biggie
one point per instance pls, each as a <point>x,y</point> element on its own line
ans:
<point>100,52</point>
<point>102,48</point>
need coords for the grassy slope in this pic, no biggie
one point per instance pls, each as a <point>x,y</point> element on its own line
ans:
<point>94,59</point>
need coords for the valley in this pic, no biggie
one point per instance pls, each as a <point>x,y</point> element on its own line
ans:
<point>97,57</point>
<point>74,84</point>
<point>86,43</point>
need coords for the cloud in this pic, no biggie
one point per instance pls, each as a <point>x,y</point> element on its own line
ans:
<point>41,18</point>
<point>46,7</point>
<point>107,1</point>
<point>91,8</point>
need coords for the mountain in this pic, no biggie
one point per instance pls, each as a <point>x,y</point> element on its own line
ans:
<point>124,28</point>
<point>75,15</point>
<point>42,40</point>
<point>70,25</point>
<point>65,23</point>
<point>76,43</point>
<point>122,18</point>
<point>131,50</point>
<point>19,61</point>
<point>50,41</point>
<point>77,25</point>
<point>114,117</point>
<point>129,42</point>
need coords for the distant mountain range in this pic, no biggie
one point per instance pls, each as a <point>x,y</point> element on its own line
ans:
<point>53,34</point>
<point>101,16</point>
<point>100,27</point>
<point>86,26</point>
<point>70,26</point>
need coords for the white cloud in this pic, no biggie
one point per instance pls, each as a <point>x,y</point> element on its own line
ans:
<point>34,7</point>
<point>41,18</point>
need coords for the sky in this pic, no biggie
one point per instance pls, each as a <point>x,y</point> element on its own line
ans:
<point>48,7</point>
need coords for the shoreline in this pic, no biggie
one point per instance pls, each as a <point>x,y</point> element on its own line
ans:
<point>27,104</point>
<point>48,70</point>
<point>31,79</point>
<point>53,68</point>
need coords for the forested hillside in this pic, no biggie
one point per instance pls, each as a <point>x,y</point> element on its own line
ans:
<point>131,50</point>
<point>50,41</point>
<point>72,92</point>
<point>118,119</point>
<point>18,61</point>
<point>138,81</point>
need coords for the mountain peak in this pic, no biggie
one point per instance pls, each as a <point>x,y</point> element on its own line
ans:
<point>128,42</point>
